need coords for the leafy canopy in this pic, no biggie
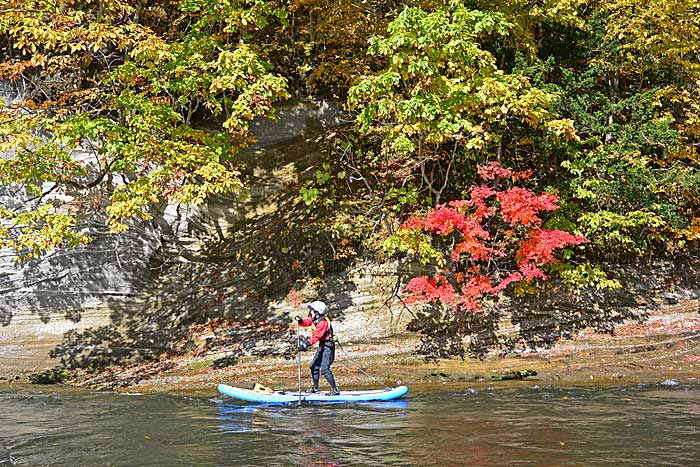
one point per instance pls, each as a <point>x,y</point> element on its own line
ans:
<point>442,85</point>
<point>118,135</point>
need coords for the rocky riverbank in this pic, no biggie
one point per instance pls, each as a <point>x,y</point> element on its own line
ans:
<point>664,349</point>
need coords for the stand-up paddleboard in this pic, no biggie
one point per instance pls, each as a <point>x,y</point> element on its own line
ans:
<point>282,397</point>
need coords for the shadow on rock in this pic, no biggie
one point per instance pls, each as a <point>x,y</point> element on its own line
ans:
<point>539,321</point>
<point>68,281</point>
<point>240,256</point>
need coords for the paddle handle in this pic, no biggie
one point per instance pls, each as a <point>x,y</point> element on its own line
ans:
<point>299,362</point>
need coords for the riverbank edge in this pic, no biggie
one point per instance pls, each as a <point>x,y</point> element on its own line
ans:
<point>668,359</point>
<point>663,349</point>
<point>589,360</point>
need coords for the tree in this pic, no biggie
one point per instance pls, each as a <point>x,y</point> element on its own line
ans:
<point>442,100</point>
<point>487,242</point>
<point>438,106</point>
<point>118,137</point>
<point>323,50</point>
<point>631,89</point>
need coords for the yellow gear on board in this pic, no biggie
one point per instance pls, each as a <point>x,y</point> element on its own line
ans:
<point>260,388</point>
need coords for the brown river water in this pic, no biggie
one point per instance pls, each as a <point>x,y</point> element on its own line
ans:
<point>637,425</point>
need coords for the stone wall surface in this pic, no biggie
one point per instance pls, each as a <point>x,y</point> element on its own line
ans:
<point>90,286</point>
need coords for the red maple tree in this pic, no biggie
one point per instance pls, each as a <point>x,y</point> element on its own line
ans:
<point>497,238</point>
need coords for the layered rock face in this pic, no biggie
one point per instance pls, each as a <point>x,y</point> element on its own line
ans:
<point>89,286</point>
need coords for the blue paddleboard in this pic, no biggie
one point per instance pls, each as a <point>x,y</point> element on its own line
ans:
<point>281,397</point>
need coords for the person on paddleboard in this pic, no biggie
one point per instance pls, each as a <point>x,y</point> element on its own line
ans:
<point>321,332</point>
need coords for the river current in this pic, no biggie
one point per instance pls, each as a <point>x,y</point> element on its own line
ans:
<point>534,426</point>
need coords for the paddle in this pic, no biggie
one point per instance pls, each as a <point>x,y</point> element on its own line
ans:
<point>299,362</point>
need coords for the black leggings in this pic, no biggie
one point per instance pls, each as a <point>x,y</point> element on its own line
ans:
<point>321,364</point>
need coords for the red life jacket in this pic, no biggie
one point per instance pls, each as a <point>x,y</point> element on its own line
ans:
<point>321,330</point>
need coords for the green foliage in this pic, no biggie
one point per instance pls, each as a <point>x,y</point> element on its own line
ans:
<point>582,275</point>
<point>442,104</point>
<point>132,118</point>
<point>33,233</point>
<point>309,195</point>
<point>619,232</point>
<point>322,46</point>
<point>601,100</point>
<point>406,196</point>
<point>633,195</point>
<point>415,243</point>
<point>443,86</point>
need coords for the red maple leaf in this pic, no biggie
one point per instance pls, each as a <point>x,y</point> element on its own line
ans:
<point>520,206</point>
<point>480,256</point>
<point>538,250</point>
<point>426,289</point>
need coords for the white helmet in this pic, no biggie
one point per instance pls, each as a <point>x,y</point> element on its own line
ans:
<point>318,307</point>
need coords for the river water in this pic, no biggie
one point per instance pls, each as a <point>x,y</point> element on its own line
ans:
<point>534,426</point>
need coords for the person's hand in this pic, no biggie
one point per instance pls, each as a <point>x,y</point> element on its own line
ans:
<point>303,346</point>
<point>298,319</point>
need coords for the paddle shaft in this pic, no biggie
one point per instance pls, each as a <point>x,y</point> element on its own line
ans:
<point>299,362</point>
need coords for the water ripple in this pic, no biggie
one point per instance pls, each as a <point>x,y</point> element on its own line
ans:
<point>539,426</point>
